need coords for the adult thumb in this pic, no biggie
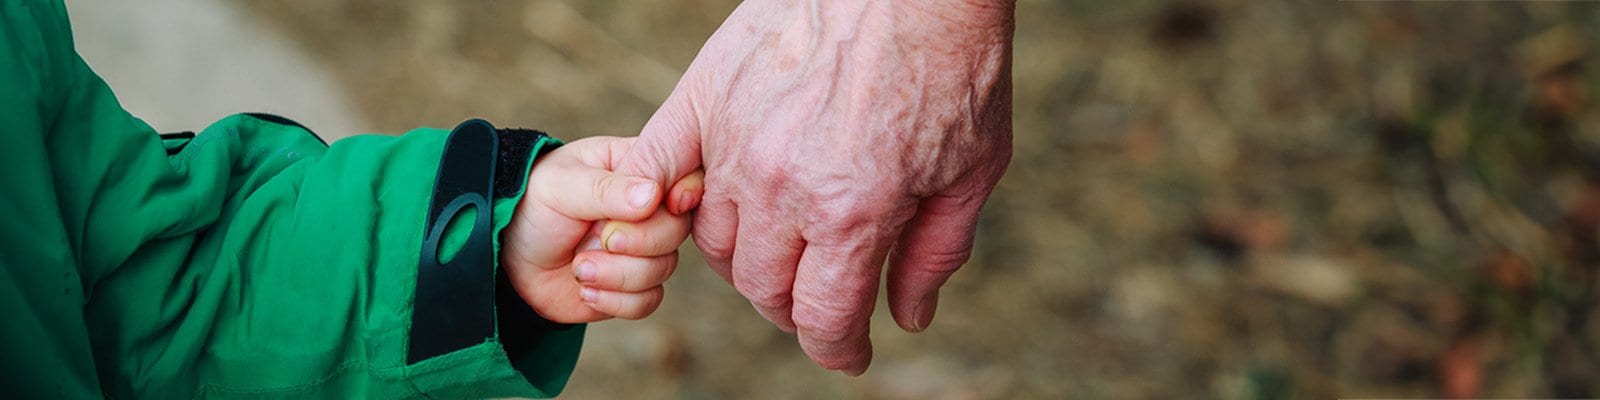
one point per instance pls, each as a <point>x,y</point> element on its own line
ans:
<point>669,146</point>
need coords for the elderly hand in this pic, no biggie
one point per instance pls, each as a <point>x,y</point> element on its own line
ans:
<point>832,132</point>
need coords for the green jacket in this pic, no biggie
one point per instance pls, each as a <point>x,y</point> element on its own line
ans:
<point>250,260</point>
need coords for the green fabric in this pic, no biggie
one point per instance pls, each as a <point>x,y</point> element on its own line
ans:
<point>257,262</point>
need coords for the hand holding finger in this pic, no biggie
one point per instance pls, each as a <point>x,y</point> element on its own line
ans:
<point>625,305</point>
<point>615,272</point>
<point>579,189</point>
<point>660,234</point>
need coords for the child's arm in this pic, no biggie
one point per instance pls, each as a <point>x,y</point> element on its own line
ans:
<point>252,260</point>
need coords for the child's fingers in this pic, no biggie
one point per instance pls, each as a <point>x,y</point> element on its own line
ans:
<point>625,305</point>
<point>555,296</point>
<point>661,234</point>
<point>616,272</point>
<point>583,192</point>
<point>541,236</point>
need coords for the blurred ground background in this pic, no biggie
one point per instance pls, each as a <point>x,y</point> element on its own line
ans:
<point>1227,199</point>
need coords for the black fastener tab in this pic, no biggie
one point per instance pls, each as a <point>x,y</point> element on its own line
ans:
<point>455,301</point>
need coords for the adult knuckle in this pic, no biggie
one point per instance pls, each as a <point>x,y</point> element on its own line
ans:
<point>859,215</point>
<point>768,299</point>
<point>660,157</point>
<point>712,245</point>
<point>769,171</point>
<point>855,209</point>
<point>835,362</point>
<point>939,259</point>
<point>762,294</point>
<point>828,333</point>
<point>826,320</point>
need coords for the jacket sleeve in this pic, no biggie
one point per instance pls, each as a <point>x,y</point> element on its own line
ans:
<point>256,261</point>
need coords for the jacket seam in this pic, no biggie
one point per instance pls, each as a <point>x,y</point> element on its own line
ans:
<point>340,371</point>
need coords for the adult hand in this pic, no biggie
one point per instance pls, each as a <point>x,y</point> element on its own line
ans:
<point>832,132</point>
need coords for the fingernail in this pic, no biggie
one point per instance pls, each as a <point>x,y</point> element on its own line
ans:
<point>683,204</point>
<point>691,199</point>
<point>641,194</point>
<point>925,311</point>
<point>615,240</point>
<point>854,372</point>
<point>589,295</point>
<point>586,271</point>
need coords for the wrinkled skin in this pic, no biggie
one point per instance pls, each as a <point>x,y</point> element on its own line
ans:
<point>834,135</point>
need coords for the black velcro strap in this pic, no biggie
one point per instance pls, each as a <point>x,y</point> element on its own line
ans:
<point>521,328</point>
<point>516,147</point>
<point>454,307</point>
<point>458,304</point>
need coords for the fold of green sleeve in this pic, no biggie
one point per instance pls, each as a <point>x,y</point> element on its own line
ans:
<point>255,262</point>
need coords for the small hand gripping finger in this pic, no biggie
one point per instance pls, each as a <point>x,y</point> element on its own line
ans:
<point>660,234</point>
<point>625,305</point>
<point>615,272</point>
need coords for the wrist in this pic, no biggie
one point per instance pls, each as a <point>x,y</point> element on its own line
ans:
<point>965,17</point>
<point>972,28</point>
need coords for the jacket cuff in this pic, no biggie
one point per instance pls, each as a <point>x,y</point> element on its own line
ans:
<point>471,334</point>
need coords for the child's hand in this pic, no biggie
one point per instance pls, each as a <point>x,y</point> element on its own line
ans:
<point>572,269</point>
